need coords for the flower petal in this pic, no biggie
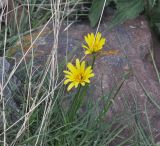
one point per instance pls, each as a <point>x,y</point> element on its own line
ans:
<point>83,83</point>
<point>85,47</point>
<point>83,67</point>
<point>88,70</point>
<point>98,37</point>
<point>67,72</point>
<point>87,80</point>
<point>67,81</point>
<point>71,67</point>
<point>70,86</point>
<point>78,65</point>
<point>90,75</point>
<point>102,41</point>
<point>87,52</point>
<point>76,84</point>
<point>86,39</point>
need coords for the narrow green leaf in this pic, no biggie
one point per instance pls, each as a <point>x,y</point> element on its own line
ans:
<point>96,10</point>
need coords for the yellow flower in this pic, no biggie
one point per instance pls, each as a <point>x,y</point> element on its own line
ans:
<point>77,74</point>
<point>94,43</point>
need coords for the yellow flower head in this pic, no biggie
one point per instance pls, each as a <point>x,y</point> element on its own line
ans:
<point>77,74</point>
<point>94,43</point>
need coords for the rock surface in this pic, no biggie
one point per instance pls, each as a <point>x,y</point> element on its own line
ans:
<point>132,40</point>
<point>10,104</point>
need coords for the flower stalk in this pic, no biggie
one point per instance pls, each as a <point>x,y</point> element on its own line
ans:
<point>79,75</point>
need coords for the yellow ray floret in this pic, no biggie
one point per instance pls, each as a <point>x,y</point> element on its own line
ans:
<point>78,74</point>
<point>94,43</point>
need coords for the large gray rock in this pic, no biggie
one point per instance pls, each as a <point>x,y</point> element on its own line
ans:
<point>10,105</point>
<point>132,40</point>
<point>141,88</point>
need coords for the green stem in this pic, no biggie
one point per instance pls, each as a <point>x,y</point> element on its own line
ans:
<point>76,103</point>
<point>93,61</point>
<point>112,98</point>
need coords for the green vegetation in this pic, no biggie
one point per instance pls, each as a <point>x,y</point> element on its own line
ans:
<point>127,9</point>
